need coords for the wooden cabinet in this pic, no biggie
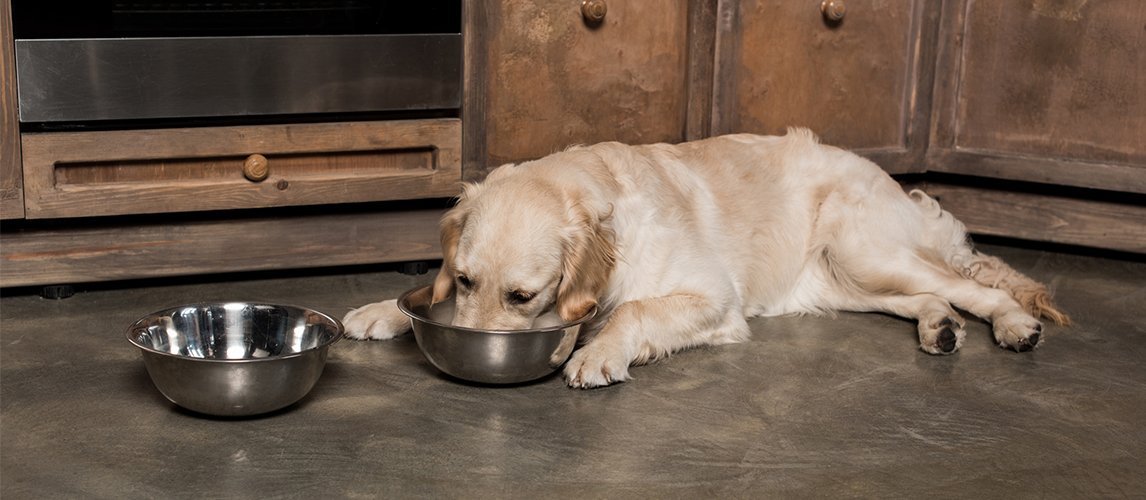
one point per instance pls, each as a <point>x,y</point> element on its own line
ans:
<point>860,82</point>
<point>552,79</point>
<point>1026,119</point>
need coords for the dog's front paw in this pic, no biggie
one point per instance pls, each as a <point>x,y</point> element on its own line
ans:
<point>380,320</point>
<point>1018,330</point>
<point>596,365</point>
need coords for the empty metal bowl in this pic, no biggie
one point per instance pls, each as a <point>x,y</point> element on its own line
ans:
<point>235,358</point>
<point>488,356</point>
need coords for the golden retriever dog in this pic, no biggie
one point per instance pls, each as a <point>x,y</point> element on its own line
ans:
<point>678,244</point>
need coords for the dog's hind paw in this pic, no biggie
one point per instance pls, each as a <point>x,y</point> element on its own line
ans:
<point>1018,330</point>
<point>380,320</point>
<point>945,336</point>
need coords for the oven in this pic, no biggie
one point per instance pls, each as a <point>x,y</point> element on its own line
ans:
<point>90,61</point>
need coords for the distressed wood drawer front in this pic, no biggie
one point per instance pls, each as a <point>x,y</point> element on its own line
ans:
<point>79,174</point>
<point>852,82</point>
<point>555,80</point>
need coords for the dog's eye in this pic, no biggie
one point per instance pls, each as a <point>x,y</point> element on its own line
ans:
<point>519,297</point>
<point>464,281</point>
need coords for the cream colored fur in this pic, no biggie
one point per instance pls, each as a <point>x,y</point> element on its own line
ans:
<point>679,244</point>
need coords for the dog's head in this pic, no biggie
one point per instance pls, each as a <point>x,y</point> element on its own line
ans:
<point>521,244</point>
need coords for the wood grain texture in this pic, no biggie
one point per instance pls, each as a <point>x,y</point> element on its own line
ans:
<point>1115,226</point>
<point>947,69</point>
<point>725,52</point>
<point>170,170</point>
<point>702,18</point>
<point>921,89</point>
<point>1045,170</point>
<point>11,178</point>
<point>475,85</point>
<point>851,82</point>
<point>1063,79</point>
<point>554,81</point>
<point>89,254</point>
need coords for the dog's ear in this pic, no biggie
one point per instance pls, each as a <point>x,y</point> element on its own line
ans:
<point>588,263</point>
<point>451,226</point>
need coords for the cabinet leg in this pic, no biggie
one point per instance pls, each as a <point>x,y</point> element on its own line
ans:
<point>57,291</point>
<point>414,268</point>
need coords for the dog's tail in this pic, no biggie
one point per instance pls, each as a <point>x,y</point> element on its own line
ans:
<point>1032,295</point>
<point>987,270</point>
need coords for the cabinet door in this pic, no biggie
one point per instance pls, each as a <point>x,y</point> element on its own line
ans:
<point>855,82</point>
<point>1044,91</point>
<point>554,80</point>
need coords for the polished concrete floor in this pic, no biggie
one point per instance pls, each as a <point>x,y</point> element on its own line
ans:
<point>811,408</point>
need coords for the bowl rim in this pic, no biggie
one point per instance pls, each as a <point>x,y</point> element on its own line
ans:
<point>341,332</point>
<point>405,310</point>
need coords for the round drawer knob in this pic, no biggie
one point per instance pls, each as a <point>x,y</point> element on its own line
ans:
<point>834,10</point>
<point>594,10</point>
<point>256,168</point>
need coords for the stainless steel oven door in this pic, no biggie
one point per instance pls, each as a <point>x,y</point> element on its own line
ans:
<point>146,78</point>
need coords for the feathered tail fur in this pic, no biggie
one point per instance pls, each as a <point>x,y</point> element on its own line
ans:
<point>1033,296</point>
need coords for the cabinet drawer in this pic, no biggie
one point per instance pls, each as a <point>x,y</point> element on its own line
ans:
<point>79,174</point>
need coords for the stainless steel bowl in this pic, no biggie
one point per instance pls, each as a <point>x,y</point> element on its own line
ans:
<point>488,356</point>
<point>235,358</point>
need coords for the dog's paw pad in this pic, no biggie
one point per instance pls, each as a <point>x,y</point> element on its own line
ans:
<point>943,337</point>
<point>1028,343</point>
<point>946,340</point>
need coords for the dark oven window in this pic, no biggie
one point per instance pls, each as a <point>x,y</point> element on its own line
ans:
<point>50,19</point>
